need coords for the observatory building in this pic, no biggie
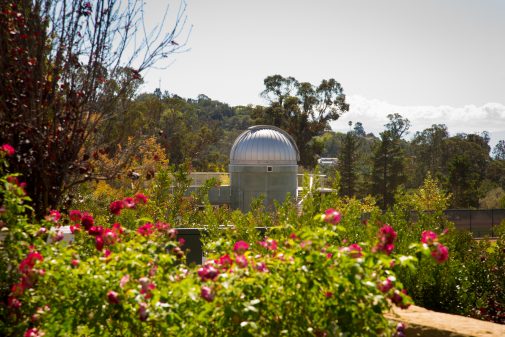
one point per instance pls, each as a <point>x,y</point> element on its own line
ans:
<point>263,163</point>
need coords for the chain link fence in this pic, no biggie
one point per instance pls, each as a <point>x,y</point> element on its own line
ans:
<point>480,222</point>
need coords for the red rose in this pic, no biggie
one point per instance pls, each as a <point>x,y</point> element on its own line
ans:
<point>146,229</point>
<point>385,285</point>
<point>225,261</point>
<point>143,314</point>
<point>75,216</point>
<point>109,237</point>
<point>428,237</point>
<point>113,297</point>
<point>87,221</point>
<point>95,230</point>
<point>208,272</point>
<point>99,243</point>
<point>140,198</point>
<point>115,207</point>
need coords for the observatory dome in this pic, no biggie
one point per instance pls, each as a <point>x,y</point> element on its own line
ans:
<point>264,144</point>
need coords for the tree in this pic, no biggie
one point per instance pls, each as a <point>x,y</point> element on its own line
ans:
<point>464,182</point>
<point>397,126</point>
<point>467,158</point>
<point>428,148</point>
<point>388,167</point>
<point>359,129</point>
<point>347,164</point>
<point>303,110</point>
<point>496,172</point>
<point>66,67</point>
<point>499,150</point>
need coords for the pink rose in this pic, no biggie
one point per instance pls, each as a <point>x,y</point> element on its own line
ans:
<point>428,237</point>
<point>54,216</point>
<point>207,293</point>
<point>269,244</point>
<point>355,251</point>
<point>440,254</point>
<point>129,202</point>
<point>8,149</point>
<point>240,247</point>
<point>241,261</point>
<point>332,216</point>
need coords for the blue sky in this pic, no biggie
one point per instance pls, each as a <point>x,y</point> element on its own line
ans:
<point>431,61</point>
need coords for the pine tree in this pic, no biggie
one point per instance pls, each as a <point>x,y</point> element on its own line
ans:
<point>347,164</point>
<point>389,166</point>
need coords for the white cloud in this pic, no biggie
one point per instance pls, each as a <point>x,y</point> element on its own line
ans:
<point>468,119</point>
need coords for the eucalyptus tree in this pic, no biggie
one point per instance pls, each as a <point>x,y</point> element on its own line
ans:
<point>499,150</point>
<point>302,109</point>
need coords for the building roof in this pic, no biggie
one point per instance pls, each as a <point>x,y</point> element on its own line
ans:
<point>264,144</point>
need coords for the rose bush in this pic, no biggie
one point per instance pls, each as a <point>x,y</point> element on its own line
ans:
<point>124,274</point>
<point>139,286</point>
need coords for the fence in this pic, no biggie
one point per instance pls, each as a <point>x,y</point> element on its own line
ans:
<point>480,222</point>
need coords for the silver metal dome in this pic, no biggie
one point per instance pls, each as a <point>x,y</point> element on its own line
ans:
<point>264,144</point>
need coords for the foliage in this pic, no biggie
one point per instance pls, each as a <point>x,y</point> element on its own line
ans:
<point>467,162</point>
<point>430,197</point>
<point>495,198</point>
<point>429,149</point>
<point>146,159</point>
<point>388,162</point>
<point>334,146</point>
<point>138,286</point>
<point>201,132</point>
<point>499,150</point>
<point>347,164</point>
<point>302,109</point>
<point>67,67</point>
<point>388,168</point>
<point>469,283</point>
<point>124,274</point>
<point>359,129</point>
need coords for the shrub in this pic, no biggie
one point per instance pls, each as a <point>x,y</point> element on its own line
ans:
<point>324,272</point>
<point>128,278</point>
